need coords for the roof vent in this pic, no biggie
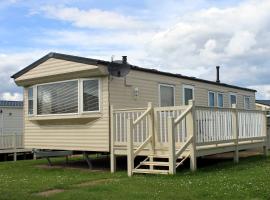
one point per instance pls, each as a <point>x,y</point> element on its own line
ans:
<point>218,81</point>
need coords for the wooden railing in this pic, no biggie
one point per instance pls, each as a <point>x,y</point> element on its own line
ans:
<point>189,144</point>
<point>184,129</point>
<point>11,141</point>
<point>221,125</point>
<point>131,124</point>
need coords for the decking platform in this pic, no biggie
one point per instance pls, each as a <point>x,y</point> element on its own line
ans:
<point>173,134</point>
<point>12,144</point>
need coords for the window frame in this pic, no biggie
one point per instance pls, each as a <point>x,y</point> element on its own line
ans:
<point>159,97</point>
<point>214,99</point>
<point>80,97</point>
<point>183,92</point>
<point>249,97</point>
<point>230,102</point>
<point>33,97</point>
<point>220,93</point>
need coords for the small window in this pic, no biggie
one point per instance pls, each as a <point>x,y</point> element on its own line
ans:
<point>166,95</point>
<point>30,101</point>
<point>220,100</point>
<point>247,102</point>
<point>211,99</point>
<point>233,99</point>
<point>90,95</point>
<point>188,92</point>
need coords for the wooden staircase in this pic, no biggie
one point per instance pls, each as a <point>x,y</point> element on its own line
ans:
<point>157,164</point>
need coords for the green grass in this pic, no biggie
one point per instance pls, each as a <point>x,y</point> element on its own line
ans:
<point>224,180</point>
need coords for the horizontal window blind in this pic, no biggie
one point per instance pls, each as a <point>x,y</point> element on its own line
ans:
<point>90,95</point>
<point>57,98</point>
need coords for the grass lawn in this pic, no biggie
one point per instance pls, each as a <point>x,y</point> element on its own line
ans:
<point>250,179</point>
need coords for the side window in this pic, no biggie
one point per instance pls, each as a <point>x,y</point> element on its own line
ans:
<point>30,101</point>
<point>166,95</point>
<point>211,99</point>
<point>220,100</point>
<point>232,99</point>
<point>247,102</point>
<point>188,93</point>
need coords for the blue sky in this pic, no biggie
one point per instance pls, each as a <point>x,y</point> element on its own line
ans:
<point>187,37</point>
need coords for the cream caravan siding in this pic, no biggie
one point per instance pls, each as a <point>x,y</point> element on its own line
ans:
<point>70,134</point>
<point>53,67</point>
<point>122,91</point>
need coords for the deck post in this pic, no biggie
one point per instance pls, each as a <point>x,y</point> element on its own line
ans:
<point>130,153</point>
<point>235,133</point>
<point>265,147</point>
<point>171,140</point>
<point>151,133</point>
<point>112,155</point>
<point>191,131</point>
<point>14,147</point>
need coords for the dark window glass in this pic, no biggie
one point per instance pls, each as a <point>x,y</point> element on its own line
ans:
<point>166,95</point>
<point>90,95</point>
<point>30,101</point>
<point>188,95</point>
<point>211,99</point>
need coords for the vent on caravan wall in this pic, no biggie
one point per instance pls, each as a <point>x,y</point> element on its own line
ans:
<point>119,68</point>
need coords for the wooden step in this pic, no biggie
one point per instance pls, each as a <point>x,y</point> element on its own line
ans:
<point>148,171</point>
<point>155,163</point>
<point>159,156</point>
<point>165,164</point>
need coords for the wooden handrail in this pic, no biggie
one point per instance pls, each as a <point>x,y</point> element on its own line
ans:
<point>138,150</point>
<point>140,118</point>
<point>178,119</point>
<point>183,148</point>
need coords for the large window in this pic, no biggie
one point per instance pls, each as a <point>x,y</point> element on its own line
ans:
<point>166,95</point>
<point>90,95</point>
<point>211,99</point>
<point>220,101</point>
<point>30,101</point>
<point>247,102</point>
<point>66,97</point>
<point>57,98</point>
<point>188,93</point>
<point>233,100</point>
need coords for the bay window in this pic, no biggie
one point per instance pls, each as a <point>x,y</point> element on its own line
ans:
<point>66,97</point>
<point>30,101</point>
<point>90,95</point>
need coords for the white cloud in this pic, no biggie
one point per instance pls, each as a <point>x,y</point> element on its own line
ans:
<point>240,43</point>
<point>11,96</point>
<point>263,91</point>
<point>93,18</point>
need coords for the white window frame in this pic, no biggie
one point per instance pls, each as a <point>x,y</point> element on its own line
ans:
<point>33,100</point>
<point>80,97</point>
<point>183,92</point>
<point>166,85</point>
<point>232,94</point>
<point>249,97</point>
<point>220,93</point>
<point>214,99</point>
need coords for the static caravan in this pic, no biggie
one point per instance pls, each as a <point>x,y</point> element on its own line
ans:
<point>82,104</point>
<point>11,126</point>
